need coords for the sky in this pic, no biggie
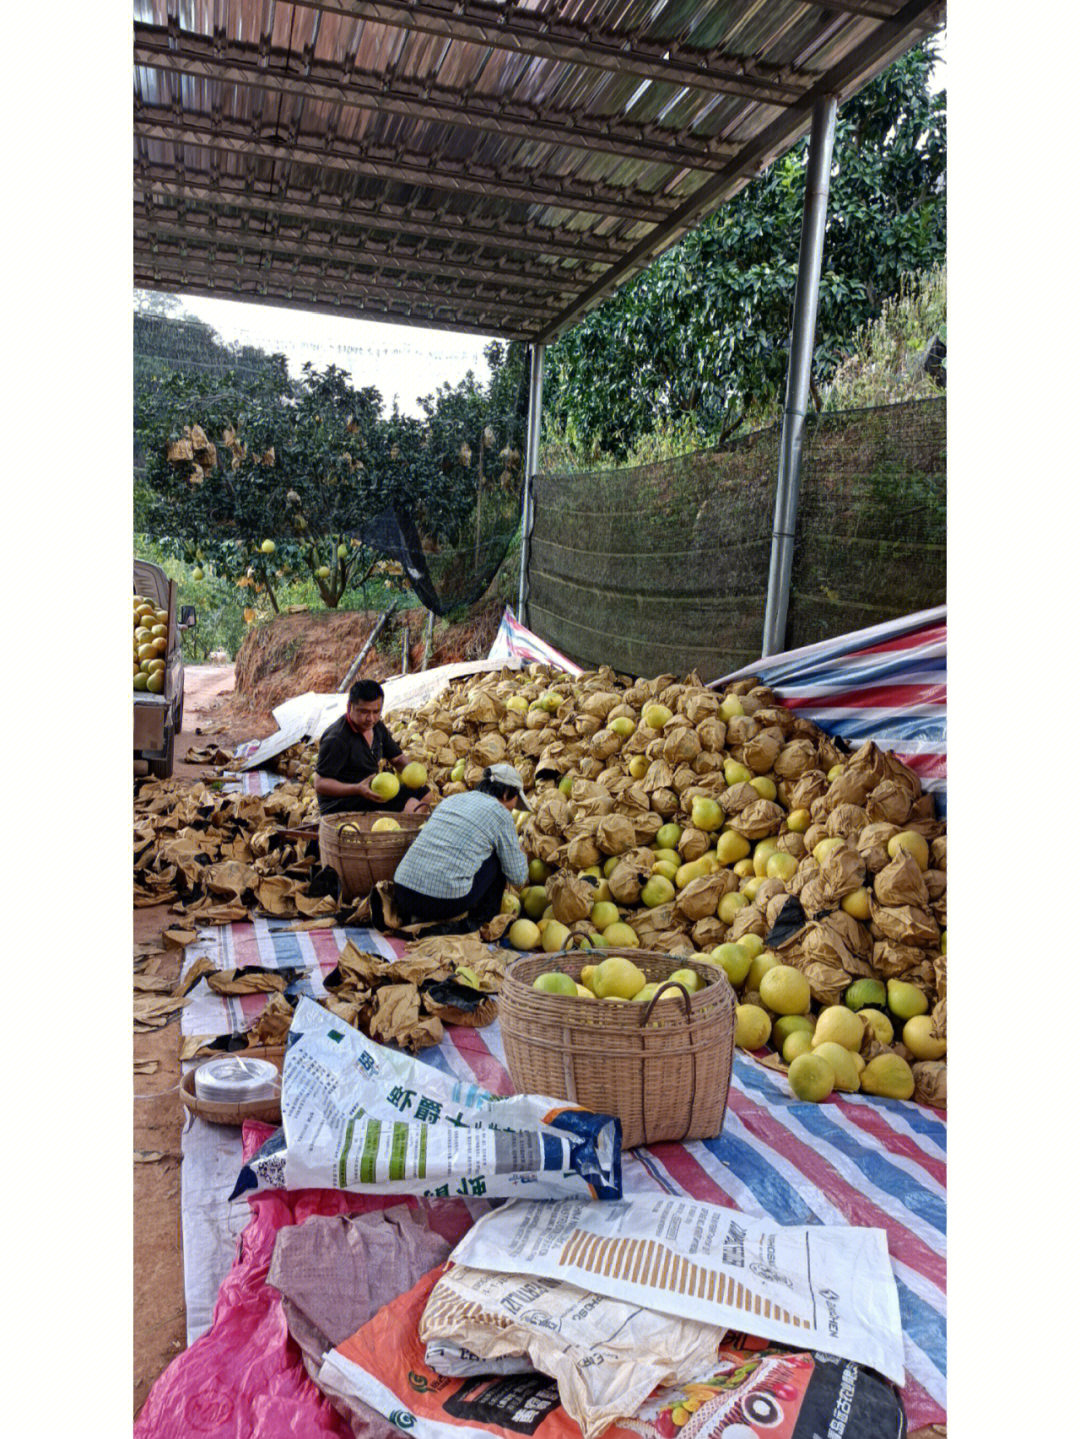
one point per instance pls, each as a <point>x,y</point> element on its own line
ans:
<point>403,362</point>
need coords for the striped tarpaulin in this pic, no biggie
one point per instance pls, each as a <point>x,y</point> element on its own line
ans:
<point>885,683</point>
<point>851,1160</point>
<point>515,642</point>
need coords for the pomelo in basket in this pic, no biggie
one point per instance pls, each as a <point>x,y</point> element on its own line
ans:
<point>384,824</point>
<point>617,978</point>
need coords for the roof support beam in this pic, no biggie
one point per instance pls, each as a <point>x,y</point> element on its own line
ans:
<point>236,64</point>
<point>150,227</point>
<point>316,278</point>
<point>158,122</point>
<point>507,26</point>
<point>375,309</point>
<point>373,215</point>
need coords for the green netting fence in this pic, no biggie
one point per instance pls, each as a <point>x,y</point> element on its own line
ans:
<point>665,567</point>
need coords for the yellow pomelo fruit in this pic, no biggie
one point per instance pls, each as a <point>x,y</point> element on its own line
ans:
<point>857,903</point>
<point>889,1076</point>
<point>797,1042</point>
<point>511,904</point>
<point>731,847</point>
<point>555,982</point>
<point>139,682</point>
<point>604,913</point>
<point>623,726</point>
<point>837,1025</point>
<point>730,706</point>
<point>538,871</point>
<point>656,716</point>
<point>587,972</point>
<point>666,855</point>
<point>668,836</point>
<point>764,786</point>
<point>735,960</point>
<point>730,905</point>
<point>637,767</point>
<point>523,934</point>
<point>743,869</point>
<point>384,824</point>
<point>534,900</point>
<point>619,936</point>
<point>457,774</point>
<point>617,978</point>
<point>842,1063</point>
<point>705,813</point>
<point>666,870</point>
<point>693,869</point>
<point>155,682</point>
<point>657,889</point>
<point>414,775</point>
<point>835,773</point>
<point>759,968</point>
<point>825,847</point>
<point>799,821</point>
<point>781,865</point>
<point>785,990</point>
<point>752,942</point>
<point>736,773</point>
<point>384,785</point>
<point>811,1078</point>
<point>920,1041</point>
<point>584,993</point>
<point>609,865</point>
<point>752,1026</point>
<point>915,845</point>
<point>763,852</point>
<point>789,1024</point>
<point>905,1000</point>
<point>518,703</point>
<point>556,936</point>
<point>880,1026</point>
<point>750,886</point>
<point>690,980</point>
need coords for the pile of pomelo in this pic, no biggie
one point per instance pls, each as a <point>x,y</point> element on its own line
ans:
<point>675,818</point>
<point>150,645</point>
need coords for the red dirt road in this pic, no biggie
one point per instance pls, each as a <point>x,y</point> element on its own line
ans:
<point>159,1316</point>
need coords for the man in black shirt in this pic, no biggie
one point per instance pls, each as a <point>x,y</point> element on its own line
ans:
<point>349,755</point>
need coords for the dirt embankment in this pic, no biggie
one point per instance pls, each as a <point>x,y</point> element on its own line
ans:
<point>313,650</point>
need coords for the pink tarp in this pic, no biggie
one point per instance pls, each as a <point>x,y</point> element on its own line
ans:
<point>244,1377</point>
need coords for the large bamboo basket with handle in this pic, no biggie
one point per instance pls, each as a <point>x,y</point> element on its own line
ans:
<point>663,1067</point>
<point>359,858</point>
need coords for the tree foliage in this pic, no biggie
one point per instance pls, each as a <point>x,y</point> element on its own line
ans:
<point>264,477</point>
<point>704,332</point>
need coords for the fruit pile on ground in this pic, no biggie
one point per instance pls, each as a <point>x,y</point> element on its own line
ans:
<point>669,816</point>
<point>150,645</point>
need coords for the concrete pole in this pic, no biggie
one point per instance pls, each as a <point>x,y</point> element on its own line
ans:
<point>532,464</point>
<point>800,360</point>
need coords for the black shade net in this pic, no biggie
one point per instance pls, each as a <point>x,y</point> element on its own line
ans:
<point>664,568</point>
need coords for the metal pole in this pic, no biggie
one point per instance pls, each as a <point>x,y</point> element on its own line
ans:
<point>800,360</point>
<point>532,462</point>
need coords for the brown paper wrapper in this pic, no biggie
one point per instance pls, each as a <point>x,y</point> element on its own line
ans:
<point>901,882</point>
<point>758,820</point>
<point>931,1085</point>
<point>841,874</point>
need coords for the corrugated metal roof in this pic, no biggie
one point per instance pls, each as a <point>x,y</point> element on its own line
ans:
<point>497,166</point>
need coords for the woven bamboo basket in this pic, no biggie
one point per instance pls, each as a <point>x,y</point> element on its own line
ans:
<point>266,1110</point>
<point>359,858</point>
<point>662,1068</point>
